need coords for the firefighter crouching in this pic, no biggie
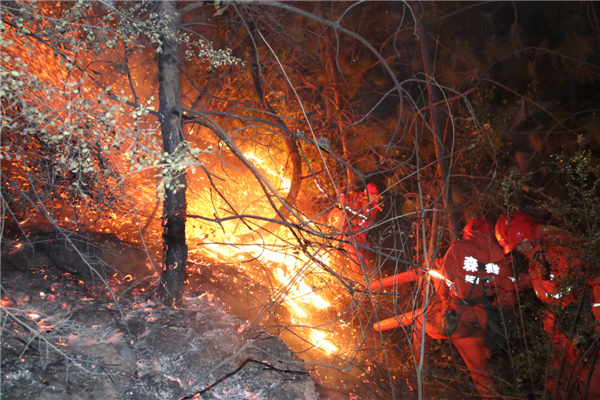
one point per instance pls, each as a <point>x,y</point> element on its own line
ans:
<point>558,277</point>
<point>355,214</point>
<point>472,270</point>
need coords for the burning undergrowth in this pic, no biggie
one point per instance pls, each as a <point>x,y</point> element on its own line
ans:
<point>88,160</point>
<point>65,335</point>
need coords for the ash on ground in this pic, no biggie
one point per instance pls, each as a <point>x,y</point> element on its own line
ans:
<point>66,336</point>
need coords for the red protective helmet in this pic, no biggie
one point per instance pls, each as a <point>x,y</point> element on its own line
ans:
<point>511,229</point>
<point>479,224</point>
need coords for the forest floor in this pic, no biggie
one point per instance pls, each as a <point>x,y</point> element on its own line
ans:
<point>67,336</point>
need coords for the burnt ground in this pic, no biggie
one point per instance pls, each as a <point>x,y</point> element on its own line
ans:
<point>68,337</point>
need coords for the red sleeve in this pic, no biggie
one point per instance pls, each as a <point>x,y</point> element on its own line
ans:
<point>449,265</point>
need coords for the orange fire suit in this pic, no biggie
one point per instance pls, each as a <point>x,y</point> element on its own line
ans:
<point>554,269</point>
<point>477,268</point>
<point>474,264</point>
<point>355,213</point>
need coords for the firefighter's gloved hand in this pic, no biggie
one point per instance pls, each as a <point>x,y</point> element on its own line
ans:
<point>447,307</point>
<point>448,323</point>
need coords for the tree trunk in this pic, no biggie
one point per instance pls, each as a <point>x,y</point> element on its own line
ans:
<point>175,250</point>
<point>437,126</point>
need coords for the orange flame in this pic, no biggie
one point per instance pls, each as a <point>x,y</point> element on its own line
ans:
<point>295,273</point>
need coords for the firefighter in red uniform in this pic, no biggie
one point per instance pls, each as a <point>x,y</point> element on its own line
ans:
<point>472,269</point>
<point>356,213</point>
<point>556,274</point>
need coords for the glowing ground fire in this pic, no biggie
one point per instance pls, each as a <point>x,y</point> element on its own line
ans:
<point>300,281</point>
<point>292,270</point>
